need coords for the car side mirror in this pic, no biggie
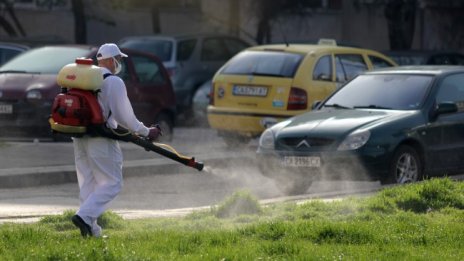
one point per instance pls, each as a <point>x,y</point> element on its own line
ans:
<point>315,105</point>
<point>443,108</point>
<point>446,107</point>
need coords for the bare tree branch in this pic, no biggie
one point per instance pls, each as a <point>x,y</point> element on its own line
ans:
<point>7,26</point>
<point>80,23</point>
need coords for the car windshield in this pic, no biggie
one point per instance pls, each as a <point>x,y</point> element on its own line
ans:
<point>267,63</point>
<point>44,60</point>
<point>160,48</point>
<point>396,92</point>
<point>409,59</point>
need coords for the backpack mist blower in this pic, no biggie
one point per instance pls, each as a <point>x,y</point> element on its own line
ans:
<point>76,111</point>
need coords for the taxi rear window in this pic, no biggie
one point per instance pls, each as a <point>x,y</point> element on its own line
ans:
<point>264,63</point>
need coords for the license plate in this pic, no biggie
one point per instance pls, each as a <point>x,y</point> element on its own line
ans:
<point>6,109</point>
<point>293,161</point>
<point>242,90</point>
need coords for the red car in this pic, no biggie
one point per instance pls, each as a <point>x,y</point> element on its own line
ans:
<point>28,87</point>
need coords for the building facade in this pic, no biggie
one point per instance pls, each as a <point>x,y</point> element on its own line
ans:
<point>354,22</point>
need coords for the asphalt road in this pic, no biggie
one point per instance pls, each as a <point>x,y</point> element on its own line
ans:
<point>165,194</point>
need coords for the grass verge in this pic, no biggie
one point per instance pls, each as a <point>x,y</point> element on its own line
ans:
<point>422,221</point>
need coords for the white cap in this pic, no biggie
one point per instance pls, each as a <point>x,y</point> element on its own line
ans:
<point>109,50</point>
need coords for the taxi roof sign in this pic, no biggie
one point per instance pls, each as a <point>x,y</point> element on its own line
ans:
<point>325,41</point>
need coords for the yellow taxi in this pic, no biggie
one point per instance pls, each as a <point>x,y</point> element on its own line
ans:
<point>265,84</point>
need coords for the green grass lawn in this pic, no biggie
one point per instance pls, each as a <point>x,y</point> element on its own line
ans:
<point>422,221</point>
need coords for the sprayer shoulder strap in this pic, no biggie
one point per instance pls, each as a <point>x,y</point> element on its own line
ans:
<point>106,75</point>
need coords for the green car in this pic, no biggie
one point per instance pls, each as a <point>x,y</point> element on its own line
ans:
<point>395,125</point>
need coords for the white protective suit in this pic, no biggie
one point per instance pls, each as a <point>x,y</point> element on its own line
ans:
<point>99,160</point>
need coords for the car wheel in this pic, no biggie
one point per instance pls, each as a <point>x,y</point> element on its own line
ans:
<point>167,127</point>
<point>405,167</point>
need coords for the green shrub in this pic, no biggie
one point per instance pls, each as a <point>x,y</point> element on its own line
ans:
<point>63,222</point>
<point>110,219</point>
<point>442,193</point>
<point>431,195</point>
<point>240,203</point>
<point>59,222</point>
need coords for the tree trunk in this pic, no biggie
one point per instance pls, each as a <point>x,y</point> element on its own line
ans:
<point>401,17</point>
<point>10,9</point>
<point>80,23</point>
<point>263,35</point>
<point>7,27</point>
<point>234,17</point>
<point>155,18</point>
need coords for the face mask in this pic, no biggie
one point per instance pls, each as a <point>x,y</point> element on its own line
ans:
<point>117,66</point>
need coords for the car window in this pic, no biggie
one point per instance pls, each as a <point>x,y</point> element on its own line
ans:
<point>458,59</point>
<point>213,49</point>
<point>409,59</point>
<point>378,62</point>
<point>45,60</point>
<point>147,70</point>
<point>277,64</point>
<point>452,90</point>
<point>348,66</point>
<point>323,69</point>
<point>234,46</point>
<point>399,92</point>
<point>7,54</point>
<point>185,49</point>
<point>440,59</point>
<point>158,47</point>
<point>124,74</point>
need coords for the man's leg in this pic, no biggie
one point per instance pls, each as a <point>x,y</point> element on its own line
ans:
<point>105,158</point>
<point>85,177</point>
<point>85,181</point>
<point>96,229</point>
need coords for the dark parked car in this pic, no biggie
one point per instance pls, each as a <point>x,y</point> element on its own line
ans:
<point>10,50</point>
<point>420,57</point>
<point>28,87</point>
<point>201,101</point>
<point>190,59</point>
<point>394,125</point>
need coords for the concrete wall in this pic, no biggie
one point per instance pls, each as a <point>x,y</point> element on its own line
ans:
<point>136,22</point>
<point>362,27</point>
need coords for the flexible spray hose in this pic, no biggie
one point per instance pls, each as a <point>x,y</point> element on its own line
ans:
<point>167,147</point>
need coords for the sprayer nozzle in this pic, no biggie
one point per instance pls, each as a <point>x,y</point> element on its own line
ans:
<point>194,164</point>
<point>199,166</point>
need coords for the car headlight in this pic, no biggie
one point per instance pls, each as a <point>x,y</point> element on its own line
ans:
<point>34,95</point>
<point>355,140</point>
<point>266,141</point>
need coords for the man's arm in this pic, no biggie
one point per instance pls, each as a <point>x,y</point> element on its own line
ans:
<point>121,108</point>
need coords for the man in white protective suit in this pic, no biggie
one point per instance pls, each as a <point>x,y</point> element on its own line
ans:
<point>99,160</point>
